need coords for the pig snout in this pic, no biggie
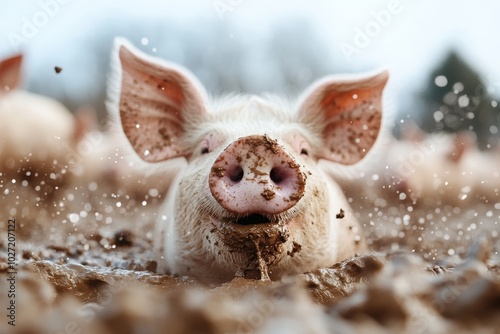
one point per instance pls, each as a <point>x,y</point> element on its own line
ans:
<point>255,174</point>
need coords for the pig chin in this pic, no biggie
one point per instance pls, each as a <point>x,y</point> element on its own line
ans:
<point>253,243</point>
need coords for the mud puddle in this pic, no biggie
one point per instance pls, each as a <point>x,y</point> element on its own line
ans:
<point>432,270</point>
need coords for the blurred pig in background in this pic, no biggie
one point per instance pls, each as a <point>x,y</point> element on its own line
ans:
<point>38,135</point>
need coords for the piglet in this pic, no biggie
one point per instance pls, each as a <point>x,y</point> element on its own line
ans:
<point>38,135</point>
<point>252,199</point>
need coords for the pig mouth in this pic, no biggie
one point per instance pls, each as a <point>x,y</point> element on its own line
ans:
<point>252,219</point>
<point>258,239</point>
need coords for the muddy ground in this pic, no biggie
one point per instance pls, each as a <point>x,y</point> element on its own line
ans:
<point>84,264</point>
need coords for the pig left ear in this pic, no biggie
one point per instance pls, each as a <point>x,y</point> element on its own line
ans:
<point>349,110</point>
<point>157,101</point>
<point>10,72</point>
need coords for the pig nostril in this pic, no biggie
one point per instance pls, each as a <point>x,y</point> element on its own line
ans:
<point>277,175</point>
<point>236,174</point>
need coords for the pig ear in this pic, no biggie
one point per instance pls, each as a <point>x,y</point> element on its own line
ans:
<point>156,101</point>
<point>85,122</point>
<point>463,142</point>
<point>10,72</point>
<point>349,112</point>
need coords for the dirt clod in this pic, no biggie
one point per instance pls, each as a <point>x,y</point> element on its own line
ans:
<point>268,194</point>
<point>124,238</point>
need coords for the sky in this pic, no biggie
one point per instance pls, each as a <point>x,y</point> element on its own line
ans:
<point>408,37</point>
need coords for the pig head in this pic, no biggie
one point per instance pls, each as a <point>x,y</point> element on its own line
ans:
<point>252,199</point>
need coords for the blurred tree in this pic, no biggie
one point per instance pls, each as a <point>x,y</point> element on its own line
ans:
<point>456,99</point>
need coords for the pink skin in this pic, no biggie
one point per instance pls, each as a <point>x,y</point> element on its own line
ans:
<point>256,175</point>
<point>252,182</point>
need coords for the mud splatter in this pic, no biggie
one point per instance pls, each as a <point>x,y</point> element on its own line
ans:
<point>261,244</point>
<point>268,194</point>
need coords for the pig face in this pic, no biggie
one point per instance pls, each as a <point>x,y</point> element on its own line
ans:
<point>252,199</point>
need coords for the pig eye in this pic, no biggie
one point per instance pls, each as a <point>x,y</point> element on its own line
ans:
<point>205,145</point>
<point>303,146</point>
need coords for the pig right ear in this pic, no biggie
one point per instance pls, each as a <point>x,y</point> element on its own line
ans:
<point>348,112</point>
<point>10,72</point>
<point>157,99</point>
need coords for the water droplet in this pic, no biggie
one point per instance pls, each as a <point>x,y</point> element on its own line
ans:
<point>441,81</point>
<point>74,218</point>
<point>92,186</point>
<point>458,87</point>
<point>463,101</point>
<point>438,116</point>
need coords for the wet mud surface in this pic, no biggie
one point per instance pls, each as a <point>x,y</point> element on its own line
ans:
<point>85,265</point>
